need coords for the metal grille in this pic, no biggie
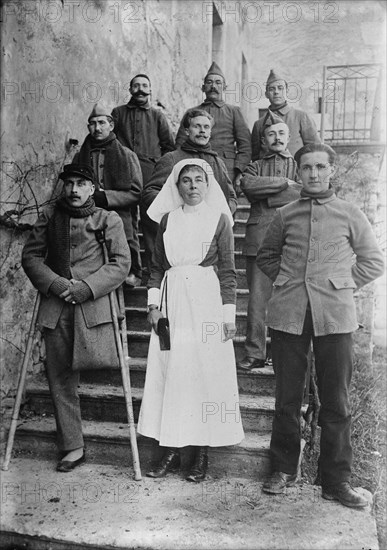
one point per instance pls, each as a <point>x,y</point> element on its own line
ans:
<point>351,110</point>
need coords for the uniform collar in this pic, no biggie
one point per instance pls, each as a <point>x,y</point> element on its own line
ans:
<point>133,105</point>
<point>218,103</point>
<point>320,201</point>
<point>284,154</point>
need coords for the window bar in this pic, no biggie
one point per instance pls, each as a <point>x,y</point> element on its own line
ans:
<point>322,121</point>
<point>344,106</point>
<point>365,112</point>
<point>355,111</point>
<point>334,110</point>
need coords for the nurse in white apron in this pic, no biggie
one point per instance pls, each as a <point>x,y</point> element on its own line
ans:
<point>191,394</point>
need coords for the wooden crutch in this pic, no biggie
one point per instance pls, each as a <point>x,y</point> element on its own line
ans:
<point>20,385</point>
<point>124,365</point>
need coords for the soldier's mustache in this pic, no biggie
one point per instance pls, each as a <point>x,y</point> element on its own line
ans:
<point>140,94</point>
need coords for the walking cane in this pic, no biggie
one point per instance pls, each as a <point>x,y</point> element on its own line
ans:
<point>20,385</point>
<point>100,236</point>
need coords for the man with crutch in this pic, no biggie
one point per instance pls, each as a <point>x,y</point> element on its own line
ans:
<point>65,261</point>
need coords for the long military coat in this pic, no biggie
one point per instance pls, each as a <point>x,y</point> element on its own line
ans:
<point>86,263</point>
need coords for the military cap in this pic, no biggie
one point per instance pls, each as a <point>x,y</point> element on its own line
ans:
<point>215,69</point>
<point>271,118</point>
<point>100,109</point>
<point>273,76</point>
<point>83,170</point>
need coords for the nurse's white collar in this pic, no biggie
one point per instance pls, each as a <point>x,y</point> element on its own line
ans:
<point>188,209</point>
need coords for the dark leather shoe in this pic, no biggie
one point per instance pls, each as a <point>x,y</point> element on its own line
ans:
<point>344,493</point>
<point>170,461</point>
<point>249,363</point>
<point>68,465</point>
<point>200,465</point>
<point>278,483</point>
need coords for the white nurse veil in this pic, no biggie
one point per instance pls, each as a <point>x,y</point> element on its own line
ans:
<point>169,198</point>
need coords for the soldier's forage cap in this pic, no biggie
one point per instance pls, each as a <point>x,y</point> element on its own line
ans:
<point>83,170</point>
<point>100,109</point>
<point>215,69</point>
<point>273,76</point>
<point>272,118</point>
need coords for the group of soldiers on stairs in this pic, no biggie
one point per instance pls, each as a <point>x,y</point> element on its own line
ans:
<point>299,247</point>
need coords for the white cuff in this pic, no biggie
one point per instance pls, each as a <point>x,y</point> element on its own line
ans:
<point>153,296</point>
<point>229,313</point>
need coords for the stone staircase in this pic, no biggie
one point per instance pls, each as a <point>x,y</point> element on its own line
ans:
<point>103,406</point>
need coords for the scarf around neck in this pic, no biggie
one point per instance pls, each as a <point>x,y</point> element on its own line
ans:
<point>192,147</point>
<point>58,250</point>
<point>278,107</point>
<point>99,144</point>
<point>119,165</point>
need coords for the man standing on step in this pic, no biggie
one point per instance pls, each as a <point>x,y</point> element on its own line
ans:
<point>317,251</point>
<point>145,130</point>
<point>118,179</point>
<point>65,262</point>
<point>230,137</point>
<point>197,125</point>
<point>268,184</point>
<point>301,126</point>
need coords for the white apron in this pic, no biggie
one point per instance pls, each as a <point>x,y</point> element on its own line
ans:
<point>191,393</point>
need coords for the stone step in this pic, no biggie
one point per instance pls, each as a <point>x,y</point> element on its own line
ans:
<point>109,443</point>
<point>242,212</point>
<point>137,297</point>
<point>240,259</point>
<point>239,226</point>
<point>242,200</point>
<point>241,278</point>
<point>239,241</point>
<point>257,382</point>
<point>106,403</point>
<point>138,343</point>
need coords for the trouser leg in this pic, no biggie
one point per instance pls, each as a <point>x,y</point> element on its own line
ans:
<point>134,244</point>
<point>149,230</point>
<point>260,288</point>
<point>63,381</point>
<point>333,357</point>
<point>290,363</point>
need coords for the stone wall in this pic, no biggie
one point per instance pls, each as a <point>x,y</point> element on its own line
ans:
<point>58,60</point>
